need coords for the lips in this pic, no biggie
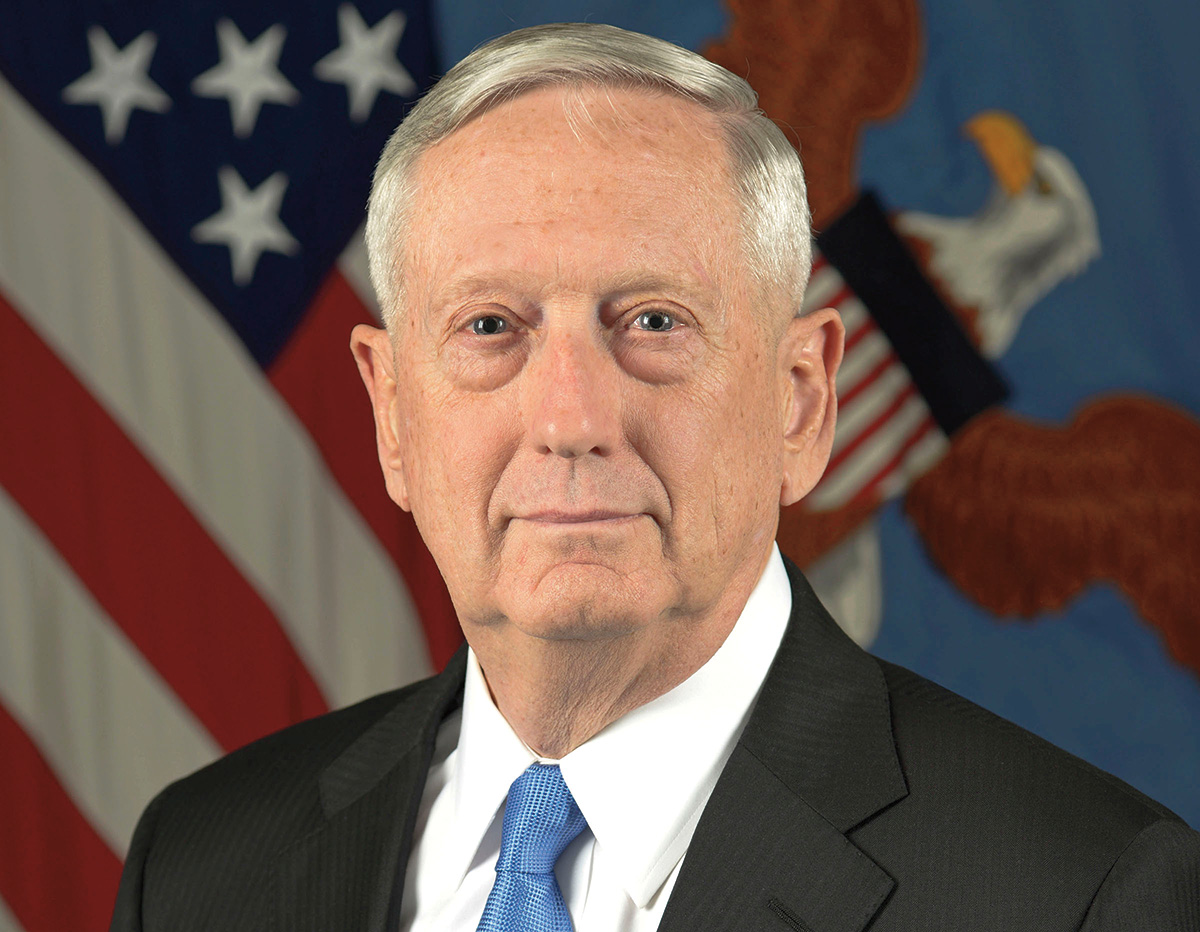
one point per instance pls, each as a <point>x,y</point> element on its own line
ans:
<point>550,516</point>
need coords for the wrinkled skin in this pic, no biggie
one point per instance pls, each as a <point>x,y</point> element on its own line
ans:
<point>591,409</point>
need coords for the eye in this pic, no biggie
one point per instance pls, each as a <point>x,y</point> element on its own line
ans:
<point>655,321</point>
<point>489,326</point>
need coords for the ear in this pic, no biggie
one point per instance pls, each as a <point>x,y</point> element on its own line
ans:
<point>373,352</point>
<point>810,353</point>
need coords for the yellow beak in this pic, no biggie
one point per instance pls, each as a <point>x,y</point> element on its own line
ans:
<point>1007,147</point>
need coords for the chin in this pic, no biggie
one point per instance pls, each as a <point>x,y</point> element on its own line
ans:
<point>583,601</point>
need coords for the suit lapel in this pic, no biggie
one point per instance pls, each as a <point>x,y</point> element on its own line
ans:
<point>347,875</point>
<point>816,759</point>
<point>763,859</point>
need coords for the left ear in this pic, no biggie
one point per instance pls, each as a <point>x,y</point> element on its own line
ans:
<point>809,355</point>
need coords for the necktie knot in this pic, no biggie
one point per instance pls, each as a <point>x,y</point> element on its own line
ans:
<point>540,820</point>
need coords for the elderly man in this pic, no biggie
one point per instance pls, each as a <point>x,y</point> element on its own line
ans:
<point>593,393</point>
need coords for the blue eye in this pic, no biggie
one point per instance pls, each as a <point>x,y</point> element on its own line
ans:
<point>655,321</point>
<point>489,326</point>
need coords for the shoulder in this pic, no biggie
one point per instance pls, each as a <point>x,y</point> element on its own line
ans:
<point>295,755</point>
<point>206,844</point>
<point>271,790</point>
<point>996,814</point>
<point>941,735</point>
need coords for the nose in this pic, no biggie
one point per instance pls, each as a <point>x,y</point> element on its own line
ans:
<point>573,397</point>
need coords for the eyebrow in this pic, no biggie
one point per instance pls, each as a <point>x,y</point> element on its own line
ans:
<point>688,289</point>
<point>691,286</point>
<point>458,289</point>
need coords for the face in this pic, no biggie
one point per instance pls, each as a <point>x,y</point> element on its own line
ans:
<point>589,407</point>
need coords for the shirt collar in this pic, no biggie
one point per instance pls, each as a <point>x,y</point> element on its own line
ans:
<point>489,758</point>
<point>641,783</point>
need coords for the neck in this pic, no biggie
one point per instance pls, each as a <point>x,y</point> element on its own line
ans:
<point>556,694</point>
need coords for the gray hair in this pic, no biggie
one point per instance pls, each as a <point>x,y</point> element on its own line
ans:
<point>765,165</point>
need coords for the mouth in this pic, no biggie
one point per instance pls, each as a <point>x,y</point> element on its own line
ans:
<point>578,518</point>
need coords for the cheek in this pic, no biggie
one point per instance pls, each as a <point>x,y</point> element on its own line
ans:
<point>716,450</point>
<point>457,448</point>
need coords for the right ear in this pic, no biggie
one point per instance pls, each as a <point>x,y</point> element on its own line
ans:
<point>376,360</point>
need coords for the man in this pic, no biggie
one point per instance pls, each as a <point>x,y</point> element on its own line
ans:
<point>593,393</point>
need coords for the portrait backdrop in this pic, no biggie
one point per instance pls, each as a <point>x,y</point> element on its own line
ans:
<point>196,547</point>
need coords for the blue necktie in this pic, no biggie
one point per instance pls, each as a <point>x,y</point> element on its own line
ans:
<point>540,820</point>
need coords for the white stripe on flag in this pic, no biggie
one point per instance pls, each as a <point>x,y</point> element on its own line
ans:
<point>823,286</point>
<point>8,922</point>
<point>857,416</point>
<point>110,728</point>
<point>838,487</point>
<point>854,314</point>
<point>166,366</point>
<point>355,268</point>
<point>927,451</point>
<point>859,361</point>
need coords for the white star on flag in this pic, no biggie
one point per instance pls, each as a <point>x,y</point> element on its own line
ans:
<point>365,61</point>
<point>118,82</point>
<point>248,222</point>
<point>248,74</point>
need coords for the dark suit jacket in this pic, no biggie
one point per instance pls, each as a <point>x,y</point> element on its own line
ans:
<point>859,795</point>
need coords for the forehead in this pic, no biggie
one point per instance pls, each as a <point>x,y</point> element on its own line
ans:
<point>618,177</point>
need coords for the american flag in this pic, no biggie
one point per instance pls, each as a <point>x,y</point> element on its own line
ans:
<point>195,544</point>
<point>886,434</point>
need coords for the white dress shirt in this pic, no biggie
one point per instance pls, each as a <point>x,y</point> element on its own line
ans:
<point>641,783</point>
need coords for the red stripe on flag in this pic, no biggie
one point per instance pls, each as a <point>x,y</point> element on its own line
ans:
<point>140,551</point>
<point>867,380</point>
<point>819,263</point>
<point>880,419</point>
<point>842,294</point>
<point>868,326</point>
<point>56,872</point>
<point>916,437</point>
<point>317,377</point>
